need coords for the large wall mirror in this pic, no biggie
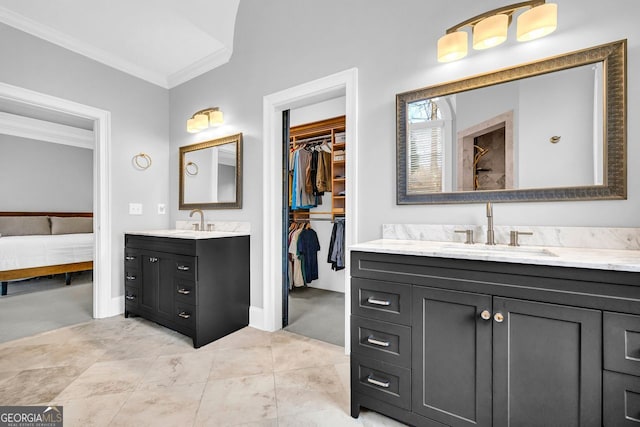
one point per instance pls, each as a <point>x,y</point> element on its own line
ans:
<point>554,129</point>
<point>211,174</point>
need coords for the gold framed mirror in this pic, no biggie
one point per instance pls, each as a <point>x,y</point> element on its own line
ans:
<point>211,174</point>
<point>549,130</point>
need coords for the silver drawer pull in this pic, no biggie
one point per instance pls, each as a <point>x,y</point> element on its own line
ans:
<point>183,267</point>
<point>184,291</point>
<point>372,300</point>
<point>130,297</point>
<point>184,315</point>
<point>374,341</point>
<point>131,277</point>
<point>153,259</point>
<point>129,258</point>
<point>378,383</point>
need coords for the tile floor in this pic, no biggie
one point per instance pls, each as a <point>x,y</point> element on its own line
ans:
<point>131,372</point>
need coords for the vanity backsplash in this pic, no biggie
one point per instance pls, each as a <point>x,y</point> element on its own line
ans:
<point>235,226</point>
<point>570,237</point>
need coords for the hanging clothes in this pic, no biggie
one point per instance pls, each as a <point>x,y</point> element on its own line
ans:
<point>323,175</point>
<point>300,165</point>
<point>336,246</point>
<point>296,277</point>
<point>308,247</point>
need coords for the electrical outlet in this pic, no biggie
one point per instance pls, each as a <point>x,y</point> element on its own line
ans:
<point>135,208</point>
<point>162,209</point>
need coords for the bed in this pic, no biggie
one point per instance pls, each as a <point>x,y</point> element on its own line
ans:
<point>34,244</point>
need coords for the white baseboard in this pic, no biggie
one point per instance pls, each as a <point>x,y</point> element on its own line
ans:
<point>256,317</point>
<point>116,307</point>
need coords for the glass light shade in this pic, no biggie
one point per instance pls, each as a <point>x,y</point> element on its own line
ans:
<point>191,126</point>
<point>490,31</point>
<point>452,46</point>
<point>537,22</point>
<point>216,118</point>
<point>201,121</point>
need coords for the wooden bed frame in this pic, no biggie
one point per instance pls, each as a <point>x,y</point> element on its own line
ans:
<point>48,270</point>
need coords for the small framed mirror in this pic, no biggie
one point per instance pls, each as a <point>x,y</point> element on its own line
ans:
<point>211,174</point>
<point>552,130</point>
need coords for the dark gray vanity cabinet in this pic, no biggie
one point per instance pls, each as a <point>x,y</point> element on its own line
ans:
<point>494,344</point>
<point>198,287</point>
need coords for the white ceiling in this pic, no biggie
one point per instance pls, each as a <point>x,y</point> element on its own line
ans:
<point>166,42</point>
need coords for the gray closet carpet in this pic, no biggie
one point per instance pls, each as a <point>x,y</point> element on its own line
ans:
<point>41,305</point>
<point>318,314</point>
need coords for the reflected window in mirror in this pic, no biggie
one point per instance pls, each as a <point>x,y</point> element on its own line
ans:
<point>550,130</point>
<point>211,174</point>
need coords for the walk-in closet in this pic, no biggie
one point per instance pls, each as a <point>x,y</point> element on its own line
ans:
<point>315,191</point>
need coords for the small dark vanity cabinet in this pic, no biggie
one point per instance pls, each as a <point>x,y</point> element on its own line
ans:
<point>198,287</point>
<point>453,342</point>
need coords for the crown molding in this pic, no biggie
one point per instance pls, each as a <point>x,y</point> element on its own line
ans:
<point>54,36</point>
<point>208,63</point>
<point>40,130</point>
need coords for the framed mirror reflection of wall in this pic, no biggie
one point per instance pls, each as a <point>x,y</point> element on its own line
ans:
<point>554,129</point>
<point>211,174</point>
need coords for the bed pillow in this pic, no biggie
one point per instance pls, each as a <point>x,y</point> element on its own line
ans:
<point>71,225</point>
<point>24,225</point>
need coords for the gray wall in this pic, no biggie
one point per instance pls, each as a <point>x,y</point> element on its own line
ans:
<point>139,122</point>
<point>45,177</point>
<point>283,43</point>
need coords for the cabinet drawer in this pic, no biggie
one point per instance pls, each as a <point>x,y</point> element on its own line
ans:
<point>132,278</point>
<point>382,341</point>
<point>185,267</point>
<point>185,291</point>
<point>621,404</point>
<point>131,297</point>
<point>382,381</point>
<point>386,301</point>
<point>131,259</point>
<point>621,343</point>
<point>185,315</point>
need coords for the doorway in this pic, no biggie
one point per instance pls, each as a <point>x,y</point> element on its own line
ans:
<point>314,196</point>
<point>103,304</point>
<point>269,316</point>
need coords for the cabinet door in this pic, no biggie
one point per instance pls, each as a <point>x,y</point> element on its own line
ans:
<point>149,287</point>
<point>451,357</point>
<point>546,364</point>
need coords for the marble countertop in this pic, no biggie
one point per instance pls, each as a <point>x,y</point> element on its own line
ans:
<point>189,234</point>
<point>600,259</point>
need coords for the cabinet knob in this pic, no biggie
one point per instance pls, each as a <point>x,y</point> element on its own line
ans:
<point>498,317</point>
<point>485,315</point>
<point>184,291</point>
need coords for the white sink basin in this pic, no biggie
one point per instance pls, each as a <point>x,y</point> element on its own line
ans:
<point>501,249</point>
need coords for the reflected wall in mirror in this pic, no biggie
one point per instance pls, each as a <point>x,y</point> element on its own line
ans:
<point>211,174</point>
<point>550,130</point>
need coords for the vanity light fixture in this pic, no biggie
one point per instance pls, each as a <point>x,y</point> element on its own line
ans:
<point>204,119</point>
<point>490,28</point>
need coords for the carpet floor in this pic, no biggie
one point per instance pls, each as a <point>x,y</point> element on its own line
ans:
<point>39,305</point>
<point>316,313</point>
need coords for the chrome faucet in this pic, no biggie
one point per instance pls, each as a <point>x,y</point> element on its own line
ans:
<point>490,233</point>
<point>201,218</point>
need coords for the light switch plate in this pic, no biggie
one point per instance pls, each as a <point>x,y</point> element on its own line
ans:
<point>135,208</point>
<point>162,209</point>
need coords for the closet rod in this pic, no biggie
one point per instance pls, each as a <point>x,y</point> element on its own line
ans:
<point>316,219</point>
<point>312,139</point>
